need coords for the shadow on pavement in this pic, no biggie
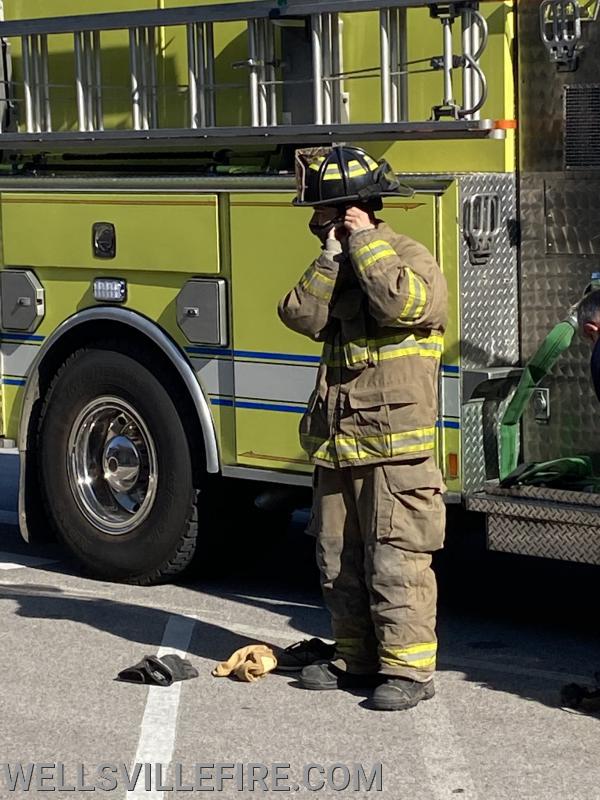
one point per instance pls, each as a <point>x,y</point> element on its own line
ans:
<point>511,624</point>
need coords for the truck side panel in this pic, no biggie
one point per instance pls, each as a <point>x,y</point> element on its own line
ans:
<point>274,368</point>
<point>162,241</point>
<point>157,232</point>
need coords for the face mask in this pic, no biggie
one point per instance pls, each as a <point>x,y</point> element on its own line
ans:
<point>321,225</point>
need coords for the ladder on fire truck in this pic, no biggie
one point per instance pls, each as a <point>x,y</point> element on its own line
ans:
<point>29,121</point>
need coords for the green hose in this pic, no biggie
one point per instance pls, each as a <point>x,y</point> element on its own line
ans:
<point>538,366</point>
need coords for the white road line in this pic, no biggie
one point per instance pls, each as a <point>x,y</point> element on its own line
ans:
<point>273,602</point>
<point>18,561</point>
<point>159,725</point>
<point>443,757</point>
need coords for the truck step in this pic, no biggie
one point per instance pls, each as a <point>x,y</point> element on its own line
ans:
<point>538,521</point>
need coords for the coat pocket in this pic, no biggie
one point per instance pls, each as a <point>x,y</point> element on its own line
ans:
<point>375,411</point>
<point>371,396</point>
<point>411,514</point>
<point>313,424</point>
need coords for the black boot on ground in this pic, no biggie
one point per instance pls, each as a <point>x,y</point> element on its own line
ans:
<point>398,694</point>
<point>320,677</point>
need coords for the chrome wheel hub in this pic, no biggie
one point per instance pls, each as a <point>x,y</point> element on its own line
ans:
<point>112,465</point>
<point>121,464</point>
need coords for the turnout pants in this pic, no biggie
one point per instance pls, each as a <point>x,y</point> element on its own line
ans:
<point>376,527</point>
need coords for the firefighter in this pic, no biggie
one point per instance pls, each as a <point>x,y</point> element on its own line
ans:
<point>588,319</point>
<point>378,302</point>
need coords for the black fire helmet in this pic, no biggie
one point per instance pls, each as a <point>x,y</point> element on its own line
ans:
<point>342,175</point>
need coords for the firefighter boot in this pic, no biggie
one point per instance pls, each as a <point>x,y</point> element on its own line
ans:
<point>321,677</point>
<point>398,694</point>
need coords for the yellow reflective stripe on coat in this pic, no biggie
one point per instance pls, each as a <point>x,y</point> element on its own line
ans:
<point>325,448</point>
<point>373,351</point>
<point>317,284</point>
<point>423,349</point>
<point>384,445</point>
<point>371,253</point>
<point>339,448</point>
<point>416,656</point>
<point>417,297</point>
<point>355,353</point>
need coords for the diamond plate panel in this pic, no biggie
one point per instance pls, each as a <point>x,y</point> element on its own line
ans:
<point>541,91</point>
<point>557,215</point>
<point>572,217</point>
<point>545,539</point>
<point>536,511</point>
<point>550,284</point>
<point>540,95</point>
<point>489,325</point>
<point>480,427</point>
<point>490,293</point>
<point>566,496</point>
<point>473,453</point>
<point>558,253</point>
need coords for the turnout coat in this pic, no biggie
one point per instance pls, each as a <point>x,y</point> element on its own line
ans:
<point>380,308</point>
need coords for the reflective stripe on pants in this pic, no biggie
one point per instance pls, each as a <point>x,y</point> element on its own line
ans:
<point>376,527</point>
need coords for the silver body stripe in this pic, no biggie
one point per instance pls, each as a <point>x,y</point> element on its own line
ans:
<point>451,396</point>
<point>17,358</point>
<point>260,381</point>
<point>215,374</point>
<point>279,382</point>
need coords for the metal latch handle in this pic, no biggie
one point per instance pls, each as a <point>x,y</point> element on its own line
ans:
<point>560,30</point>
<point>482,218</point>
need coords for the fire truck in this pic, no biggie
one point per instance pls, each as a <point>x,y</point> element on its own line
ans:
<point>147,234</point>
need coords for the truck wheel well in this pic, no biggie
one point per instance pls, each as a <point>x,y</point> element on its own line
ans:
<point>125,338</point>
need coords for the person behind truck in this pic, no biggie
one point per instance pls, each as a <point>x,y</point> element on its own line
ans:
<point>378,302</point>
<point>588,320</point>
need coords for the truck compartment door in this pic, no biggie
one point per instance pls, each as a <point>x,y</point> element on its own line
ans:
<point>275,368</point>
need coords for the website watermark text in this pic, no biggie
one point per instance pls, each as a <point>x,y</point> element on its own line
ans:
<point>200,777</point>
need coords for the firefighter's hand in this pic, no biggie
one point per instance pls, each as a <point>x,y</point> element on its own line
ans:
<point>333,244</point>
<point>356,220</point>
<point>338,233</point>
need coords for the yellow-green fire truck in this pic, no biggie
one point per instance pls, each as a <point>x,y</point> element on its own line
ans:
<point>147,234</point>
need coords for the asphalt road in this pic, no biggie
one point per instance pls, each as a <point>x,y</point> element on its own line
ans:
<point>512,632</point>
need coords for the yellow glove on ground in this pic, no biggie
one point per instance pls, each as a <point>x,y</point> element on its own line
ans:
<point>248,663</point>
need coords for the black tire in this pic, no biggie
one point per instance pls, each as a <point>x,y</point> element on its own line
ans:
<point>163,543</point>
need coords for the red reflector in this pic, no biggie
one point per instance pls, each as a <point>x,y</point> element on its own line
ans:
<point>452,465</point>
<point>505,124</point>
